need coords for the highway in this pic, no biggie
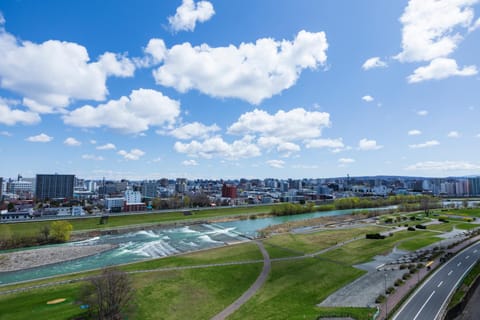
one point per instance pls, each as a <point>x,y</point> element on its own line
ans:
<point>430,299</point>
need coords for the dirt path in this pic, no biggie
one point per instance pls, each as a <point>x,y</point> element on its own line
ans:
<point>252,290</point>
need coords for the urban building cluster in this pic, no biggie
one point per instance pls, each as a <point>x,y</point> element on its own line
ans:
<point>48,195</point>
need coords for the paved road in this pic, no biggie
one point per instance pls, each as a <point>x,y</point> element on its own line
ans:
<point>252,290</point>
<point>428,302</point>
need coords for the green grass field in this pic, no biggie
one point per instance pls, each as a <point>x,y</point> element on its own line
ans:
<point>295,287</point>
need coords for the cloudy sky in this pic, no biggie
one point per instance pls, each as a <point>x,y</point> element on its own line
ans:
<point>239,88</point>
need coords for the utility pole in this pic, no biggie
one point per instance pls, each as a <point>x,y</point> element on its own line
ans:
<point>386,297</point>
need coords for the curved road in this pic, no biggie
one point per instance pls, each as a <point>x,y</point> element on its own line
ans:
<point>429,301</point>
<point>252,290</point>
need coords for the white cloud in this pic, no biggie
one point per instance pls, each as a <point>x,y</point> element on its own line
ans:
<point>414,132</point>
<point>286,125</point>
<point>475,26</point>
<point>190,163</point>
<point>441,68</point>
<point>251,71</point>
<point>92,157</point>
<point>107,146</point>
<point>133,114</point>
<point>2,19</point>
<point>11,116</point>
<point>5,134</point>
<point>443,166</point>
<point>194,130</point>
<point>93,141</point>
<point>133,154</point>
<point>427,144</point>
<point>279,164</point>
<point>53,73</point>
<point>217,147</point>
<point>189,13</point>
<point>279,144</point>
<point>374,62</point>
<point>453,134</point>
<point>325,143</point>
<point>39,138</point>
<point>422,113</point>
<point>367,98</point>
<point>72,142</point>
<point>346,160</point>
<point>431,28</point>
<point>366,144</point>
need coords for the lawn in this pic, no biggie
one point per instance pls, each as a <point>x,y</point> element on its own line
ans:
<point>186,294</point>
<point>300,244</point>
<point>418,243</point>
<point>474,212</point>
<point>295,287</point>
<point>365,249</point>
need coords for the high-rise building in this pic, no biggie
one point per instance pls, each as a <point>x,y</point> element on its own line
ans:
<point>229,191</point>
<point>53,186</point>
<point>1,188</point>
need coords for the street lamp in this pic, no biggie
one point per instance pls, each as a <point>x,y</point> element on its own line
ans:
<point>386,296</point>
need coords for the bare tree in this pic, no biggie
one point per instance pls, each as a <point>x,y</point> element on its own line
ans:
<point>110,295</point>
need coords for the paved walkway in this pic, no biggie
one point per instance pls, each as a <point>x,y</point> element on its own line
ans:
<point>252,290</point>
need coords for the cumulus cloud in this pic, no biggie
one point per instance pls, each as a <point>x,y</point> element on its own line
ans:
<point>366,145</point>
<point>251,71</point>
<point>431,28</point>
<point>427,144</point>
<point>279,164</point>
<point>10,116</point>
<point>194,130</point>
<point>422,113</point>
<point>217,147</point>
<point>286,125</point>
<point>53,73</point>
<point>325,143</point>
<point>367,98</point>
<point>453,134</point>
<point>189,13</point>
<point>72,142</point>
<point>443,166</point>
<point>280,145</point>
<point>42,137</point>
<point>5,134</point>
<point>441,68</point>
<point>414,132</point>
<point>374,62</point>
<point>190,163</point>
<point>133,114</point>
<point>107,146</point>
<point>346,160</point>
<point>133,154</point>
<point>92,157</point>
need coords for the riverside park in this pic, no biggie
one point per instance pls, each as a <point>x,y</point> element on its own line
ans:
<point>243,263</point>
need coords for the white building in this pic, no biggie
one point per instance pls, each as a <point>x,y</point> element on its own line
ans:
<point>133,197</point>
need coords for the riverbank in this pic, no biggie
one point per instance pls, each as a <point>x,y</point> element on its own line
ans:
<point>20,260</point>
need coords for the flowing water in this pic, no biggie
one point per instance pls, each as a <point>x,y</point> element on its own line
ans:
<point>141,245</point>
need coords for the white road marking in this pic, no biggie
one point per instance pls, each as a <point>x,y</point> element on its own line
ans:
<point>467,257</point>
<point>459,264</point>
<point>441,282</point>
<point>450,272</point>
<point>423,306</point>
<point>475,251</point>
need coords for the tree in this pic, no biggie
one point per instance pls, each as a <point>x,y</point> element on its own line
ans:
<point>61,230</point>
<point>110,295</point>
<point>45,232</point>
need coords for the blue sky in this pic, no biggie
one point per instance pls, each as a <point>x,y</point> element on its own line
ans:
<point>230,89</point>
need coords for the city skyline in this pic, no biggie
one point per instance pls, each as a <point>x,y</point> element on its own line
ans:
<point>209,89</point>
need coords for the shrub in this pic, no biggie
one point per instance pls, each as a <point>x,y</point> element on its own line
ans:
<point>380,299</point>
<point>390,290</point>
<point>398,282</point>
<point>406,276</point>
<point>403,266</point>
<point>420,226</point>
<point>411,229</point>
<point>374,236</point>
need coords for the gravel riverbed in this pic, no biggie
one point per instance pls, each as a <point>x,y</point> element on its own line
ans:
<point>19,260</point>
